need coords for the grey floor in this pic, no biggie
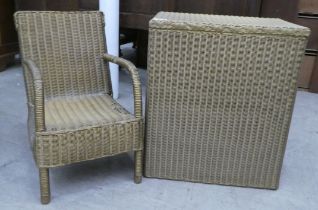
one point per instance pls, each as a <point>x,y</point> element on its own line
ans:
<point>108,183</point>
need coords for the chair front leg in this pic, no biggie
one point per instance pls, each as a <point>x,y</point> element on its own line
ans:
<point>45,185</point>
<point>138,166</point>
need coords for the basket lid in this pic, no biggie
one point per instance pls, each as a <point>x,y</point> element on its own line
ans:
<point>226,24</point>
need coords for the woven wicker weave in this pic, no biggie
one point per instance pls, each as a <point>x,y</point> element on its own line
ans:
<point>72,116</point>
<point>220,97</point>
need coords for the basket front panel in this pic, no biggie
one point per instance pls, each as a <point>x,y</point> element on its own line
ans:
<point>219,105</point>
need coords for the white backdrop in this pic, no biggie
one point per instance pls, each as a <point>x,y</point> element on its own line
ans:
<point>110,8</point>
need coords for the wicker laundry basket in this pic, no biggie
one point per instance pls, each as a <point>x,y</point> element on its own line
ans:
<point>221,91</point>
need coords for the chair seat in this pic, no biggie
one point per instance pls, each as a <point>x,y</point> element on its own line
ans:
<point>70,113</point>
<point>85,128</point>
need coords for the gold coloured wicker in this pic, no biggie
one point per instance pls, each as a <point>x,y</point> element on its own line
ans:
<point>72,116</point>
<point>220,96</point>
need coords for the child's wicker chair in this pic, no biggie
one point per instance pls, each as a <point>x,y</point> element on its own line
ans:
<point>72,116</point>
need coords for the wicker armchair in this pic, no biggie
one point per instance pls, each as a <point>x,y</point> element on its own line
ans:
<point>72,116</point>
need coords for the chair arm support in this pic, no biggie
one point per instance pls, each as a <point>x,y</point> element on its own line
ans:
<point>37,99</point>
<point>135,79</point>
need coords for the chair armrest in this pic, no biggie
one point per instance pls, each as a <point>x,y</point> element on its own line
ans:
<point>135,79</point>
<point>35,92</point>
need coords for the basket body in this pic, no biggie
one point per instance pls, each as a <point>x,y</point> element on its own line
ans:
<point>220,97</point>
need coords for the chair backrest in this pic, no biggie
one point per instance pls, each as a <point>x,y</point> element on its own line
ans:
<point>67,47</point>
